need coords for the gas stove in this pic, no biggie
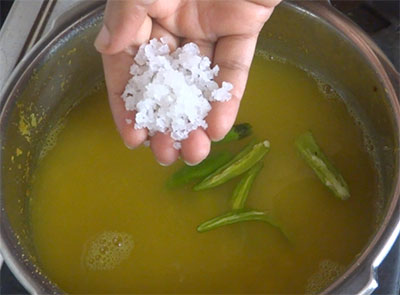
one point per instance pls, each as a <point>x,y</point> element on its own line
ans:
<point>379,18</point>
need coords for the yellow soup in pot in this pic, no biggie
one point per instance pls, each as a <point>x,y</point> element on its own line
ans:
<point>103,220</point>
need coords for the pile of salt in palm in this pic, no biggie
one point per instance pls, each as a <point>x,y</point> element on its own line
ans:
<point>171,91</point>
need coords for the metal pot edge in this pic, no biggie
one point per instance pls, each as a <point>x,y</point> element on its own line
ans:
<point>60,27</point>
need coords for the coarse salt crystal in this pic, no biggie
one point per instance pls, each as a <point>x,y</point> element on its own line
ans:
<point>222,94</point>
<point>171,92</point>
<point>177,145</point>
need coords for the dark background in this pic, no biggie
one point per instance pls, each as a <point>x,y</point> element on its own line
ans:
<point>5,6</point>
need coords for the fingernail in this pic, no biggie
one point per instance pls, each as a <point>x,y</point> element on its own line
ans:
<point>129,147</point>
<point>191,164</point>
<point>216,139</point>
<point>103,39</point>
<point>163,164</point>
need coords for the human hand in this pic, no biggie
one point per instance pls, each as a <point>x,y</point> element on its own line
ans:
<point>225,30</point>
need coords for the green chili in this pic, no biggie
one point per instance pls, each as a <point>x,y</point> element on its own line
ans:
<point>235,217</point>
<point>242,162</point>
<point>189,173</point>
<point>242,189</point>
<point>321,165</point>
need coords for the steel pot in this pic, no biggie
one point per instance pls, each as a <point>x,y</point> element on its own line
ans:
<point>64,67</point>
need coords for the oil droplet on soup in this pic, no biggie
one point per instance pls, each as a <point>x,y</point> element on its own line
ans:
<point>103,222</point>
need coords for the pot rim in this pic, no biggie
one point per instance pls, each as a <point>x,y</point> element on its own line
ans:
<point>389,229</point>
<point>60,27</point>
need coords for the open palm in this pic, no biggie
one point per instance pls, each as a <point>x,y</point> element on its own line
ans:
<point>225,30</point>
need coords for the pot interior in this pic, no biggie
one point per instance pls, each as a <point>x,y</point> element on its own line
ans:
<point>68,68</point>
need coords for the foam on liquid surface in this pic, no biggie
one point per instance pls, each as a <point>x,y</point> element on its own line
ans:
<point>107,250</point>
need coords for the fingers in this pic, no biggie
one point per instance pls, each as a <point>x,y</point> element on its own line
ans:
<point>196,147</point>
<point>116,70</point>
<point>233,54</point>
<point>162,144</point>
<point>116,61</point>
<point>122,27</point>
<point>162,147</point>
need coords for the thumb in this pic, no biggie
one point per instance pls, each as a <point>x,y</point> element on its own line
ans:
<point>122,25</point>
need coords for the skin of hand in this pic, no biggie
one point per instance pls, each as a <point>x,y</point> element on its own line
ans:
<point>225,30</point>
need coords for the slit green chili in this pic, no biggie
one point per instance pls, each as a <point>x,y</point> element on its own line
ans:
<point>242,162</point>
<point>236,216</point>
<point>322,166</point>
<point>190,173</point>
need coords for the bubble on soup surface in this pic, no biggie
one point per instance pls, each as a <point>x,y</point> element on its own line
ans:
<point>327,272</point>
<point>107,250</point>
<point>326,89</point>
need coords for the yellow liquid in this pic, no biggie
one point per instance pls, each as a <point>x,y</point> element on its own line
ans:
<point>103,222</point>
